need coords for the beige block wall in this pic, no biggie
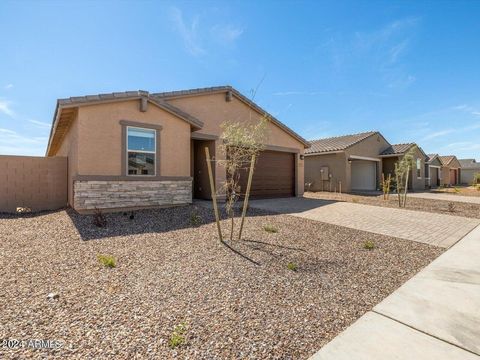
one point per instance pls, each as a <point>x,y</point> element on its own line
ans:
<point>336,164</point>
<point>35,183</point>
<point>100,138</point>
<point>213,110</point>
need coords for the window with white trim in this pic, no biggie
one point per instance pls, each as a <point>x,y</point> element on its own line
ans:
<point>419,168</point>
<point>141,151</point>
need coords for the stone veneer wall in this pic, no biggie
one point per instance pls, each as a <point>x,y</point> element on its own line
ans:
<point>119,194</point>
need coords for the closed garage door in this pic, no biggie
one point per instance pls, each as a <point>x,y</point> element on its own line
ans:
<point>364,175</point>
<point>274,176</point>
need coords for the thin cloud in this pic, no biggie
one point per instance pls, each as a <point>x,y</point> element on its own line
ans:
<point>438,134</point>
<point>11,143</point>
<point>39,124</point>
<point>289,93</point>
<point>188,31</point>
<point>226,34</point>
<point>5,107</point>
<point>8,86</point>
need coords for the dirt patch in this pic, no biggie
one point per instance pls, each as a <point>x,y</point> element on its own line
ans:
<point>436,206</point>
<point>249,302</point>
<point>460,191</point>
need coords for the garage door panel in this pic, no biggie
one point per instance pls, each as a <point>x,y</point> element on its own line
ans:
<point>274,175</point>
<point>363,175</point>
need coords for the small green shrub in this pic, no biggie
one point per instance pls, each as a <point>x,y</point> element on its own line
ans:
<point>107,260</point>
<point>178,336</point>
<point>369,245</point>
<point>457,190</point>
<point>292,266</point>
<point>355,200</point>
<point>270,229</point>
<point>195,219</point>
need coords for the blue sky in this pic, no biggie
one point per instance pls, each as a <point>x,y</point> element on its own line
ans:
<point>410,69</point>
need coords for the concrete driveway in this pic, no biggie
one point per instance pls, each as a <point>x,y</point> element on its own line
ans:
<point>436,229</point>
<point>447,197</point>
<point>434,315</point>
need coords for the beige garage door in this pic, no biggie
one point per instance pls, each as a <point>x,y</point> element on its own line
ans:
<point>364,175</point>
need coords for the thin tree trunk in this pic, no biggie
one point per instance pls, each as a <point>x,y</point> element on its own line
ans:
<point>247,195</point>
<point>406,188</point>
<point>214,195</point>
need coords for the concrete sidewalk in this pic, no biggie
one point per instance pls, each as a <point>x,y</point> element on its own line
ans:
<point>435,315</point>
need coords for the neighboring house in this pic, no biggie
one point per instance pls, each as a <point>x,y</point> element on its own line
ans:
<point>349,162</point>
<point>391,155</point>
<point>433,171</point>
<point>136,149</point>
<point>468,169</point>
<point>450,170</point>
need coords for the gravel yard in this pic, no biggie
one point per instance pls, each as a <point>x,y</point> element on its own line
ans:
<point>246,303</point>
<point>429,205</point>
<point>460,190</point>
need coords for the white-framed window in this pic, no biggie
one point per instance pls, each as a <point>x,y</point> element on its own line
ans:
<point>141,151</point>
<point>419,168</point>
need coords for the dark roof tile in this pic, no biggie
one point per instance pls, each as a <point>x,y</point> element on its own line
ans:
<point>337,143</point>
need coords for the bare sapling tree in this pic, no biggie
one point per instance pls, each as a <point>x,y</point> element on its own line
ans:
<point>386,184</point>
<point>402,173</point>
<point>241,146</point>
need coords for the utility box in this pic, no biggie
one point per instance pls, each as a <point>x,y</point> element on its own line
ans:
<point>324,174</point>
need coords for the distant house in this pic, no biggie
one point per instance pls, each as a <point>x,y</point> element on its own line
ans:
<point>433,170</point>
<point>468,168</point>
<point>349,162</point>
<point>450,170</point>
<point>391,155</point>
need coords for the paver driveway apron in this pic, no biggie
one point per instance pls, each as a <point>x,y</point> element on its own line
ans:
<point>436,229</point>
<point>447,197</point>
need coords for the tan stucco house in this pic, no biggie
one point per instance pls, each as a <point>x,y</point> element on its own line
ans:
<point>391,155</point>
<point>349,162</point>
<point>468,169</point>
<point>450,170</point>
<point>139,149</point>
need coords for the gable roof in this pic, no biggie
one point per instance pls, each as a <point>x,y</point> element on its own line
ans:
<point>337,143</point>
<point>229,89</point>
<point>397,149</point>
<point>66,109</point>
<point>448,159</point>
<point>469,163</point>
<point>431,157</point>
<point>400,149</point>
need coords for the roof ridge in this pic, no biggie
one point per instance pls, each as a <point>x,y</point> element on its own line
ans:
<point>340,136</point>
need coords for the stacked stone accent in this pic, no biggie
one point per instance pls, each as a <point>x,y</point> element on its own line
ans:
<point>89,195</point>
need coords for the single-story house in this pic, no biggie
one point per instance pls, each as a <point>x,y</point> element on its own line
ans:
<point>139,149</point>
<point>450,170</point>
<point>416,179</point>
<point>347,163</point>
<point>468,169</point>
<point>433,171</point>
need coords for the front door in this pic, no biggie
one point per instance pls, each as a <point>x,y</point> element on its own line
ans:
<point>201,182</point>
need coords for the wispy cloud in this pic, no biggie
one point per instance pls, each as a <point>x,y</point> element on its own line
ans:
<point>12,143</point>
<point>439,133</point>
<point>8,86</point>
<point>5,107</point>
<point>189,31</point>
<point>226,34</point>
<point>468,109</point>
<point>39,124</point>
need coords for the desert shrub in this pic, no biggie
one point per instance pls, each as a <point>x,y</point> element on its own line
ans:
<point>355,200</point>
<point>270,229</point>
<point>178,336</point>
<point>195,218</point>
<point>99,218</point>
<point>369,245</point>
<point>451,207</point>
<point>456,190</point>
<point>107,260</point>
<point>292,266</point>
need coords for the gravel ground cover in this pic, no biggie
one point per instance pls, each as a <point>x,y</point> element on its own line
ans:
<point>436,206</point>
<point>273,295</point>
